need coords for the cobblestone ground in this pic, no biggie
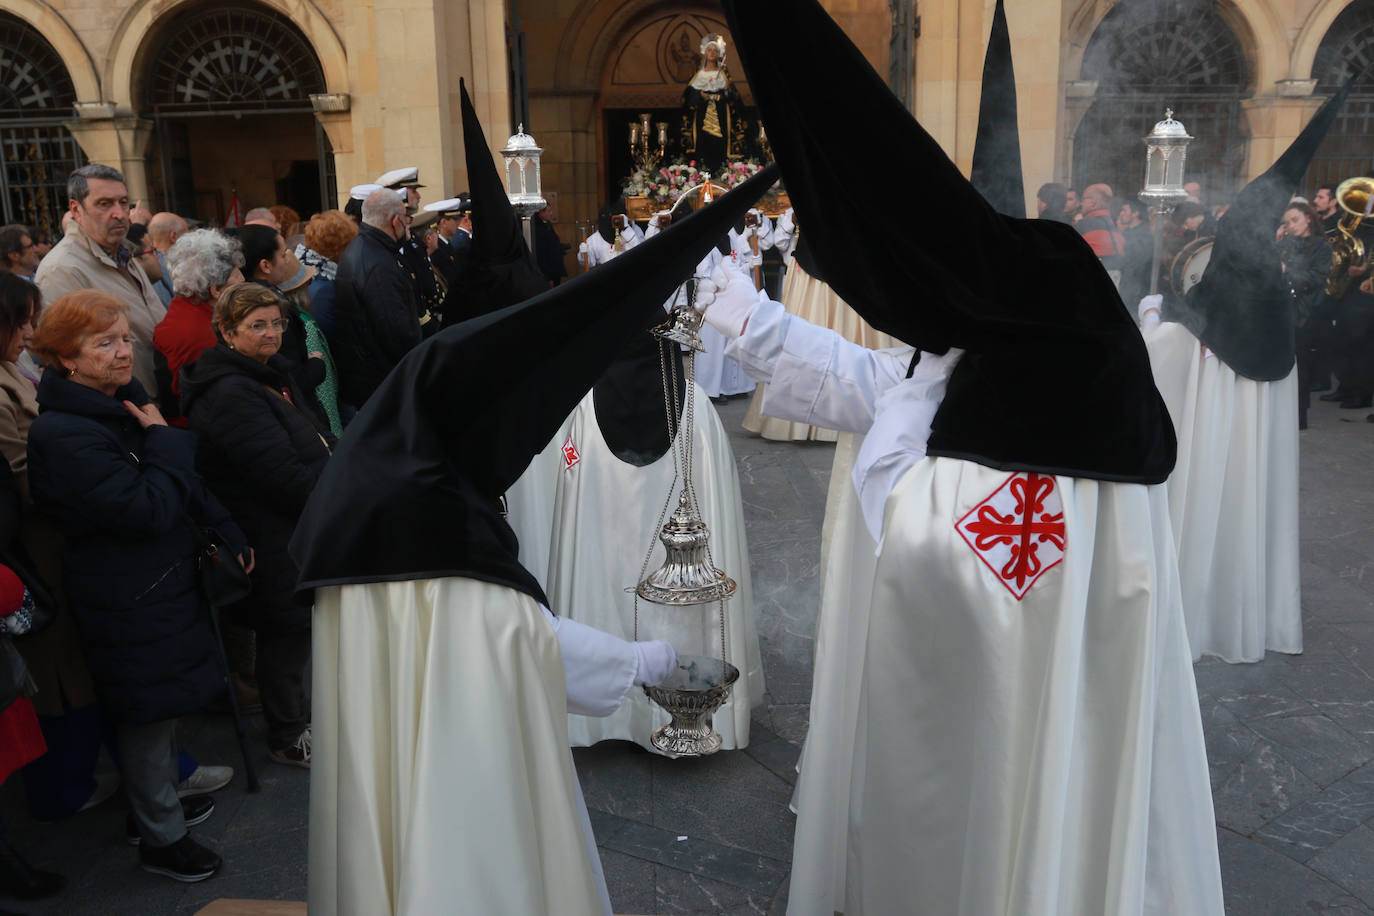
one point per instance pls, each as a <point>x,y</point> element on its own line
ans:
<point>1291,742</point>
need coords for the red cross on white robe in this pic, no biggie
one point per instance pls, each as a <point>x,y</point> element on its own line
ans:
<point>1018,531</point>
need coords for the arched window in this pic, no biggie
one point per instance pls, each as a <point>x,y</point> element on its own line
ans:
<point>37,151</point>
<point>1147,57</point>
<point>236,58</point>
<point>228,87</point>
<point>1347,49</point>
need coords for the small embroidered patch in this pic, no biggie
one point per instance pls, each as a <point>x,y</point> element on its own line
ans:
<point>1018,531</point>
<point>570,454</point>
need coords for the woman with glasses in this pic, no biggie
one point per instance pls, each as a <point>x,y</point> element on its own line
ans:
<point>263,446</point>
<point>122,489</point>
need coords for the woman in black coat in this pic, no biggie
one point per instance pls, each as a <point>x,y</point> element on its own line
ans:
<point>262,448</point>
<point>122,489</point>
<point>1306,257</point>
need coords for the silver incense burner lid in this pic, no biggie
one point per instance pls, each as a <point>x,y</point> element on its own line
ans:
<point>686,576</point>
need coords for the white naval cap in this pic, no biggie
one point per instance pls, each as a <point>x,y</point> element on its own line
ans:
<point>408,177</point>
<point>454,206</point>
<point>363,191</point>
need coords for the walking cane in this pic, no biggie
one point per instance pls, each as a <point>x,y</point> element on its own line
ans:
<point>249,772</point>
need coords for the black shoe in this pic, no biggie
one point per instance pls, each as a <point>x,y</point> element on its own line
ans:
<point>185,860</point>
<point>1339,393</point>
<point>196,809</point>
<point>1358,402</point>
<point>22,881</point>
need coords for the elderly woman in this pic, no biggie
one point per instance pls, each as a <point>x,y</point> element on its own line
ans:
<point>263,448</point>
<point>326,236</point>
<point>203,264</point>
<point>121,487</point>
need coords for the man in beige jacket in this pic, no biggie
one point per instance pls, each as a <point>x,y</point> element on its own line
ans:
<point>93,255</point>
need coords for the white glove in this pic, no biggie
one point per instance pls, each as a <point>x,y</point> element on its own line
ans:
<point>726,299</point>
<point>1147,304</point>
<point>656,660</point>
<point>934,368</point>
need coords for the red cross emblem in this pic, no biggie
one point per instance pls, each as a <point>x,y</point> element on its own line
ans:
<point>570,455</point>
<point>1018,531</point>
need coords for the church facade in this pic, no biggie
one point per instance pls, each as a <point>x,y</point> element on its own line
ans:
<point>293,101</point>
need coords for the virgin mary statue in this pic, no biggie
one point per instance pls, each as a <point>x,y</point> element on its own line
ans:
<point>712,127</point>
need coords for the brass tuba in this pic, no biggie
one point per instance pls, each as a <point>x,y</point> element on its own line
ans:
<point>1356,197</point>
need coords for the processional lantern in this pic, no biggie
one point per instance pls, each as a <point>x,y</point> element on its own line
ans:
<point>524,185</point>
<point>1166,153</point>
<point>687,580</point>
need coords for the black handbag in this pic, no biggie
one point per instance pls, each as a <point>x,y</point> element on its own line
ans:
<point>222,578</point>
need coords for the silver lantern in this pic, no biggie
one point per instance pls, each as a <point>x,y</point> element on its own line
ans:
<point>523,181</point>
<point>1166,153</point>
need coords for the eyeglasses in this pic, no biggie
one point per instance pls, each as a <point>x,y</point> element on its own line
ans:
<point>261,327</point>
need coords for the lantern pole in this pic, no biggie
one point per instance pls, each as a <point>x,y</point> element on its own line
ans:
<point>1166,153</point>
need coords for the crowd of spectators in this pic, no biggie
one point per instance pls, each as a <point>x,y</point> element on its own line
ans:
<point>1334,325</point>
<point>159,384</point>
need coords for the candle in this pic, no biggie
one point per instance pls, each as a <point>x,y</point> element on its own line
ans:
<point>634,135</point>
<point>644,125</point>
<point>662,132</point>
<point>763,137</point>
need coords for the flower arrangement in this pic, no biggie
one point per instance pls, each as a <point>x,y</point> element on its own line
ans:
<point>665,185</point>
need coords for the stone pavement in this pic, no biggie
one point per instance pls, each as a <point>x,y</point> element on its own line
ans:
<point>1291,741</point>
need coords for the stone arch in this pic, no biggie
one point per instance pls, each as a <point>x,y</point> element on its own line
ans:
<point>53,27</point>
<point>131,39</point>
<point>1313,33</point>
<point>1140,59</point>
<point>1254,23</point>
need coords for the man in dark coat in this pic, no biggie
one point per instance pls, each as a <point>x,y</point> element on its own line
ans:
<point>377,321</point>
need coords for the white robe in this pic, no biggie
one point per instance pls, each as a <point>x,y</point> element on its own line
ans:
<point>596,250</point>
<point>1040,756</point>
<point>442,780</point>
<point>1233,499</point>
<point>605,517</point>
<point>529,507</point>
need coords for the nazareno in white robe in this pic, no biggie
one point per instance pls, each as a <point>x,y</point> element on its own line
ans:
<point>604,520</point>
<point>442,780</point>
<point>1041,756</point>
<point>1233,498</point>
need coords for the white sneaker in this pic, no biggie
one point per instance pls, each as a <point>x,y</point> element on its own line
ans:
<point>205,779</point>
<point>298,754</point>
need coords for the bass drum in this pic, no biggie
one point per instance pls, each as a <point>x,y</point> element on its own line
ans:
<point>1188,265</point>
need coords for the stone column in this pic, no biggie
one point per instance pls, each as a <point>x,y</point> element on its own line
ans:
<point>1275,120</point>
<point>121,142</point>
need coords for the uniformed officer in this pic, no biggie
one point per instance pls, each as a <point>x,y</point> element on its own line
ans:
<point>429,296</point>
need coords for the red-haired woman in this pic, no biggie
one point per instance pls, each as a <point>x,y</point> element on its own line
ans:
<point>122,488</point>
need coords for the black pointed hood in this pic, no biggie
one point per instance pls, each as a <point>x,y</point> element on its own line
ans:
<point>996,171</point>
<point>1242,307</point>
<point>1056,378</point>
<point>499,270</point>
<point>412,490</point>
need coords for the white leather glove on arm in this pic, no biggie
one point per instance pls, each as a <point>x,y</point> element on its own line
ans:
<point>657,659</point>
<point>1148,310</point>
<point>726,299</point>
